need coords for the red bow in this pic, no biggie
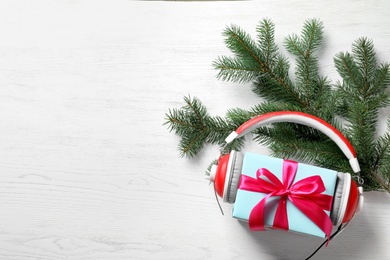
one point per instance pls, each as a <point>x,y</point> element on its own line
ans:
<point>305,194</point>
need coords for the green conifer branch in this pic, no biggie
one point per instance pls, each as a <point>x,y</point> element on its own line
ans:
<point>266,42</point>
<point>357,99</point>
<point>303,48</point>
<point>363,96</point>
<point>196,127</point>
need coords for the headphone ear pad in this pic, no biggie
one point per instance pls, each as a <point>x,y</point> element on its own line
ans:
<point>340,198</point>
<point>235,174</point>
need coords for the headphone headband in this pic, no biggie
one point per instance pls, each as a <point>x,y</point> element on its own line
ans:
<point>303,119</point>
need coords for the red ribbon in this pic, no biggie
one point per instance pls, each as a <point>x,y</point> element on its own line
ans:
<point>305,194</point>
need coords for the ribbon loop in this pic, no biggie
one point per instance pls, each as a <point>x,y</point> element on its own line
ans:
<point>305,194</point>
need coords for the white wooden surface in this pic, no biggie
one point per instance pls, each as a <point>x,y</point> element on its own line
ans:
<point>87,171</point>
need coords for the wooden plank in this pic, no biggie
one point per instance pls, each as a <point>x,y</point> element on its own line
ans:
<point>88,171</point>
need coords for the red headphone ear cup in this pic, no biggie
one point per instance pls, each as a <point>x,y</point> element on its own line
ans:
<point>234,174</point>
<point>353,200</point>
<point>220,174</point>
<point>346,199</point>
<point>340,198</point>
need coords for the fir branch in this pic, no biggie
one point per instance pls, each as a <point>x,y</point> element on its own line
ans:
<point>189,123</point>
<point>381,80</point>
<point>357,99</point>
<point>364,54</point>
<point>304,48</point>
<point>380,166</point>
<point>348,70</point>
<point>266,42</point>
<point>312,35</point>
<point>382,154</point>
<point>242,45</point>
<point>262,59</point>
<point>196,127</point>
<point>363,96</point>
<point>236,70</point>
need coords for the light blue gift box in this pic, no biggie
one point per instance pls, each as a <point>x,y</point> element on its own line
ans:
<point>298,222</point>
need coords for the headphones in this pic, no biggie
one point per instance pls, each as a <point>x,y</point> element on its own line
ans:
<point>348,197</point>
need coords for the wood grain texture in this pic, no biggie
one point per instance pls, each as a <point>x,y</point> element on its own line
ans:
<point>88,171</point>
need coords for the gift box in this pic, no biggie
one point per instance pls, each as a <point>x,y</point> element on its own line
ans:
<point>285,194</point>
